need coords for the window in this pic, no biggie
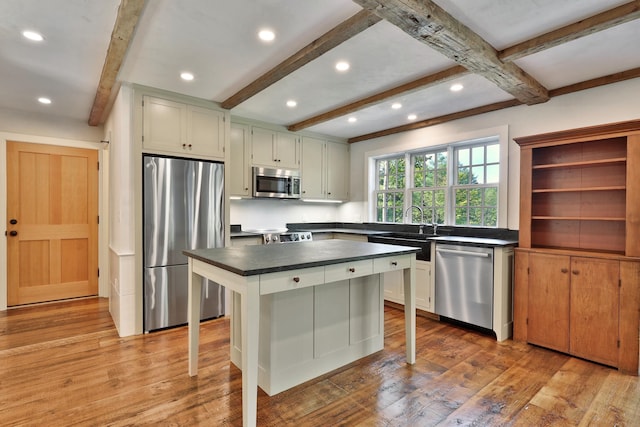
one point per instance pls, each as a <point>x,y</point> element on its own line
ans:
<point>390,176</point>
<point>453,185</point>
<point>429,186</point>
<point>476,185</point>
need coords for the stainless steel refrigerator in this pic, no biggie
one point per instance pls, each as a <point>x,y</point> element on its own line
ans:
<point>183,209</point>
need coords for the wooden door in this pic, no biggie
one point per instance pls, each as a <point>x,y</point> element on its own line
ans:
<point>548,305</point>
<point>52,215</point>
<point>594,309</point>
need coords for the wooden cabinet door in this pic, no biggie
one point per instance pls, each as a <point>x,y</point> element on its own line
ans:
<point>337,171</point>
<point>239,170</point>
<point>594,309</point>
<point>313,168</point>
<point>548,305</point>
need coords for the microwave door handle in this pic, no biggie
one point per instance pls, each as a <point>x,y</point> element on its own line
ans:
<point>290,186</point>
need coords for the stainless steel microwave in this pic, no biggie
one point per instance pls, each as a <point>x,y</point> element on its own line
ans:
<point>276,183</point>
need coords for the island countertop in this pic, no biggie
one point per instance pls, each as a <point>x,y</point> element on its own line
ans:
<point>259,259</point>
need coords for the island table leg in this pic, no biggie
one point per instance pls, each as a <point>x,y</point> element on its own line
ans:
<point>193,310</point>
<point>410,311</point>
<point>250,322</point>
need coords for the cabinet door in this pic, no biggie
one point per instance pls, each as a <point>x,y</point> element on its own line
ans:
<point>313,168</point>
<point>163,124</point>
<point>262,147</point>
<point>205,132</point>
<point>594,309</point>
<point>423,286</point>
<point>239,170</point>
<point>287,151</point>
<point>548,305</point>
<point>337,171</point>
<point>393,286</point>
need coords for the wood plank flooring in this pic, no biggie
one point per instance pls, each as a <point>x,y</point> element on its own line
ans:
<point>64,364</point>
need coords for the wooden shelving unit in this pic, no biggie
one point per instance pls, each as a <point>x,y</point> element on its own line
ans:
<point>579,249</point>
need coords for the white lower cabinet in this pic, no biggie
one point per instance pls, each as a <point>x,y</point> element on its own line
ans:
<point>310,331</point>
<point>394,286</point>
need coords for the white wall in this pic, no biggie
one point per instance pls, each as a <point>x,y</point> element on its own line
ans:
<point>274,214</point>
<point>606,104</point>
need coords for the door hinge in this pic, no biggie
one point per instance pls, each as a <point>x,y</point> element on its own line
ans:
<point>142,138</point>
<point>98,165</point>
<point>527,321</point>
<point>98,272</point>
<point>618,343</point>
<point>528,271</point>
<point>98,219</point>
<point>619,283</point>
<point>143,102</point>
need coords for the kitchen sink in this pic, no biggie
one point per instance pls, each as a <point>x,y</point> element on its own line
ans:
<point>406,239</point>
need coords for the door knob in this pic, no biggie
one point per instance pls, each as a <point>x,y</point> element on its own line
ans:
<point>13,233</point>
<point>13,221</point>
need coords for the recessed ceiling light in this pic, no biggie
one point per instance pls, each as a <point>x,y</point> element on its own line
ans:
<point>352,120</point>
<point>457,87</point>
<point>32,35</point>
<point>396,105</point>
<point>266,35</point>
<point>291,103</point>
<point>342,66</point>
<point>412,117</point>
<point>186,76</point>
<point>43,100</point>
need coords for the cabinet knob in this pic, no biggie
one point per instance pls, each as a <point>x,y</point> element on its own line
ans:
<point>576,272</point>
<point>296,279</point>
<point>394,263</point>
<point>352,270</point>
<point>184,145</point>
<point>564,270</point>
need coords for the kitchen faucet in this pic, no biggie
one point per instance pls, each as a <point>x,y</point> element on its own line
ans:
<point>421,216</point>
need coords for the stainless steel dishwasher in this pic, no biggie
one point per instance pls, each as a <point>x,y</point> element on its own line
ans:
<point>464,284</point>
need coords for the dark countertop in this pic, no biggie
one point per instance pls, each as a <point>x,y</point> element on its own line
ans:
<point>260,259</point>
<point>359,231</point>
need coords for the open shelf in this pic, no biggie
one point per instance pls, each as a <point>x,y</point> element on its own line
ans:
<point>573,189</point>
<point>581,164</point>
<point>578,218</point>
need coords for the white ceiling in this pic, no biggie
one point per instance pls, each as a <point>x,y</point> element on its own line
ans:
<point>216,40</point>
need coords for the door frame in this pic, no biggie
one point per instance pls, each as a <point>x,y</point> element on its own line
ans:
<point>103,158</point>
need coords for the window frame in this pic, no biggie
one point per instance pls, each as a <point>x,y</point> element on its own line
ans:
<point>498,135</point>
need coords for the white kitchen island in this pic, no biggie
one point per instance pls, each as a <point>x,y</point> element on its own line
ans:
<point>300,310</point>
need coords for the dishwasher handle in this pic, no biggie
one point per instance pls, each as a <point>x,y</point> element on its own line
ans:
<point>466,253</point>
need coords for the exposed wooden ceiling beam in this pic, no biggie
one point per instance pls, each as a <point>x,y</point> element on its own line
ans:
<point>421,83</point>
<point>588,84</point>
<point>438,120</point>
<point>429,23</point>
<point>602,21</point>
<point>344,31</point>
<point>128,15</point>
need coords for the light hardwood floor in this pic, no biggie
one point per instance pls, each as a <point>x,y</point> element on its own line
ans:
<point>64,364</point>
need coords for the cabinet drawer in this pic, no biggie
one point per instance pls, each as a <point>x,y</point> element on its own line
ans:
<point>391,263</point>
<point>288,280</point>
<point>348,270</point>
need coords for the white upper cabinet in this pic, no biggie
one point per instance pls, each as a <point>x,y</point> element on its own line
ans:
<point>337,171</point>
<point>314,169</point>
<point>177,128</point>
<point>325,169</point>
<point>274,149</point>
<point>239,169</point>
